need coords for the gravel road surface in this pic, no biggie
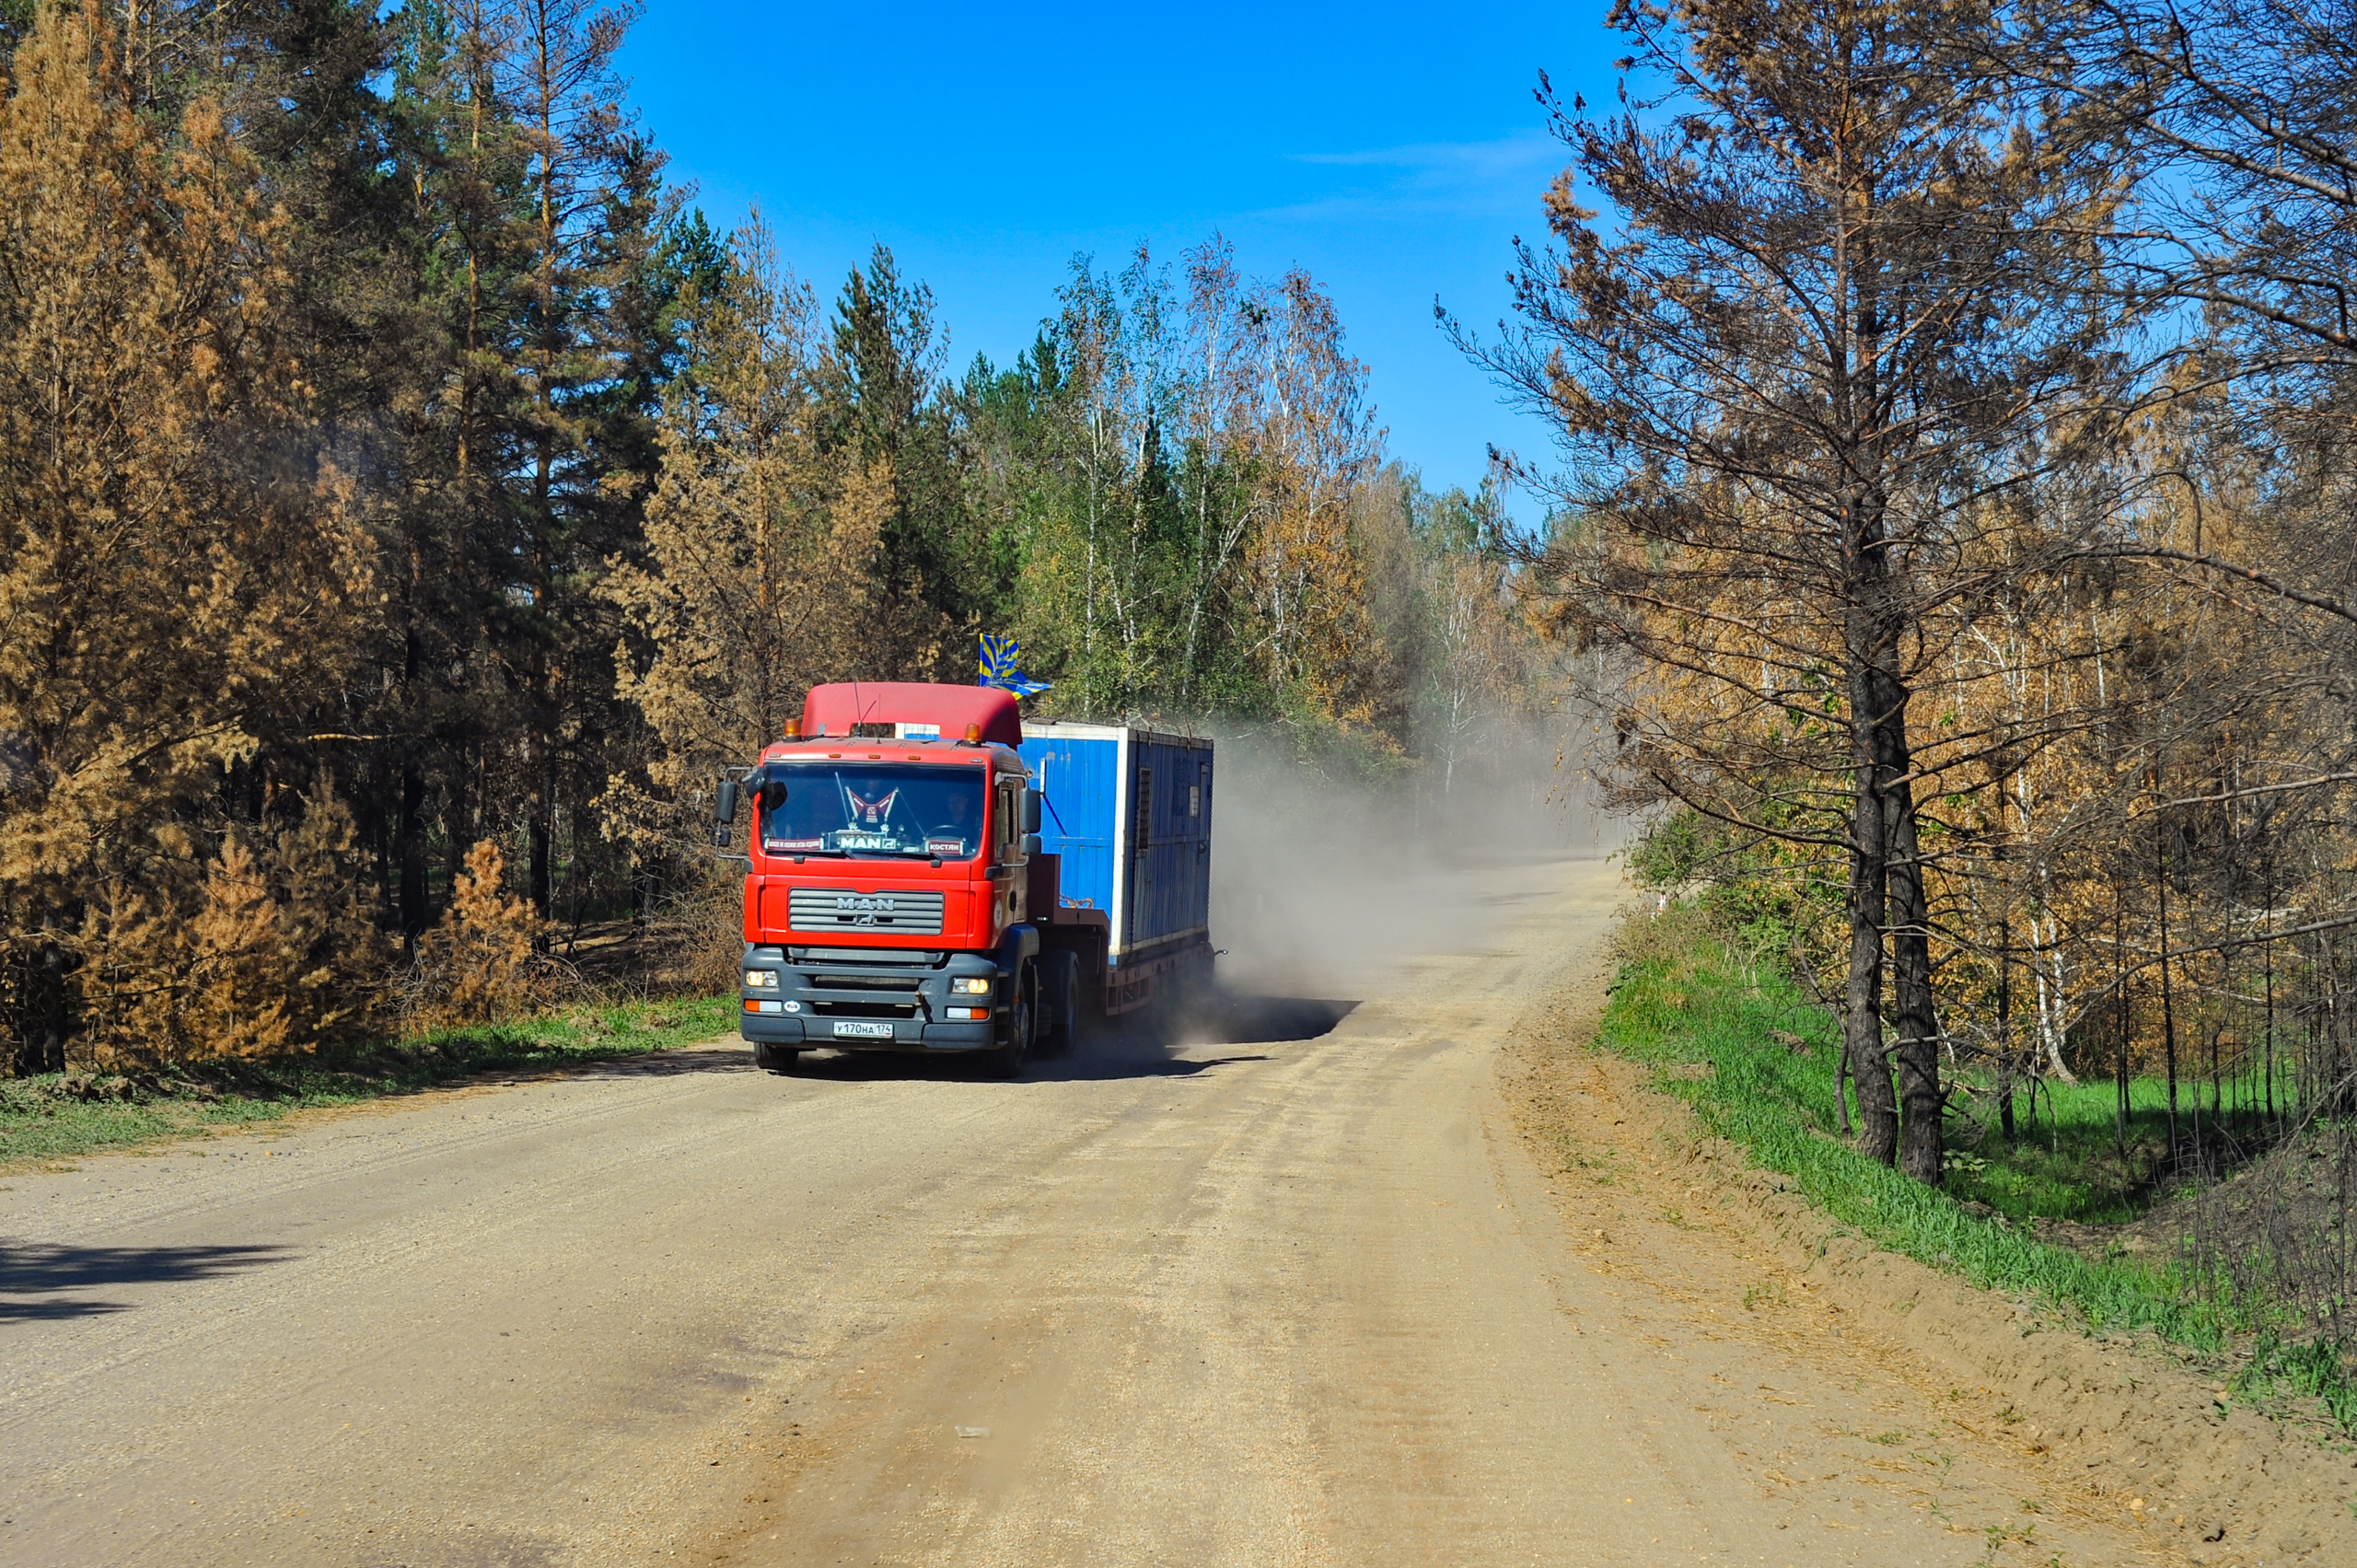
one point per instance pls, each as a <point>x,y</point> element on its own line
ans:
<point>1291,1293</point>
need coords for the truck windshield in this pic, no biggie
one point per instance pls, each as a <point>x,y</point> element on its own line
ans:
<point>871,808</point>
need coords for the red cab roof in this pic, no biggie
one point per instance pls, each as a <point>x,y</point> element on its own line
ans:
<point>846,703</point>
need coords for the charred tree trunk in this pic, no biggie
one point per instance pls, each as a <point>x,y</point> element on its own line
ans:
<point>1888,922</point>
<point>416,905</point>
<point>1871,644</point>
<point>2168,1005</point>
<point>1862,1041</point>
<point>543,834</point>
<point>1920,1100</point>
<point>48,1011</point>
<point>459,826</point>
<point>2120,1059</point>
<point>2006,1030</point>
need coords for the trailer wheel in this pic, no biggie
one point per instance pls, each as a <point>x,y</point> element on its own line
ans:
<point>1022,1019</point>
<point>771,1058</point>
<point>1060,1000</point>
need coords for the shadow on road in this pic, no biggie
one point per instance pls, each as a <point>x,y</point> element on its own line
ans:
<point>1151,1043</point>
<point>34,1280</point>
<point>732,1056</point>
<point>1240,1018</point>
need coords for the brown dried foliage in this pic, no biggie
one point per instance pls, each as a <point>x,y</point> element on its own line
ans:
<point>168,580</point>
<point>479,966</point>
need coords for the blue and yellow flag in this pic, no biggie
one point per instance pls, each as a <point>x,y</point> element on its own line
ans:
<point>999,655</point>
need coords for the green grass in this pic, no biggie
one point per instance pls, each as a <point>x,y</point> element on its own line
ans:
<point>1686,1001</point>
<point>2314,1369</point>
<point>1682,1000</point>
<point>41,1121</point>
<point>2066,1163</point>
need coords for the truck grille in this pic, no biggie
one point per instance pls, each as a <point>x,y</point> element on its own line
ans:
<point>839,909</point>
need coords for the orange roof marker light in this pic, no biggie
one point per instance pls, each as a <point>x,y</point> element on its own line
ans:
<point>973,734</point>
<point>794,729</point>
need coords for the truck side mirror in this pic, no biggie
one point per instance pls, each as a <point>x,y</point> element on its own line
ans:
<point>724,811</point>
<point>1030,846</point>
<point>1032,812</point>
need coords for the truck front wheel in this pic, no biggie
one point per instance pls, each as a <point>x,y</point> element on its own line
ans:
<point>771,1058</point>
<point>1022,1018</point>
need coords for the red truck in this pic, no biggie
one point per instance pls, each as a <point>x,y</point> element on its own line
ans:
<point>899,895</point>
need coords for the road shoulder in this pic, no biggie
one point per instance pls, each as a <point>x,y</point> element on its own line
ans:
<point>2114,1436</point>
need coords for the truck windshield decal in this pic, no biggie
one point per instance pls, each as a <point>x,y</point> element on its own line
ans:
<point>836,808</point>
<point>870,812</point>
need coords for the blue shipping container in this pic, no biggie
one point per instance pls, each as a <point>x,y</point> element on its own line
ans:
<point>1130,811</point>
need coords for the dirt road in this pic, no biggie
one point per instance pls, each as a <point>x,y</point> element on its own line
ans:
<point>1265,1300</point>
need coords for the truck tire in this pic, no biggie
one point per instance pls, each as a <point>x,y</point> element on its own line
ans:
<point>771,1058</point>
<point>1059,1001</point>
<point>1022,1021</point>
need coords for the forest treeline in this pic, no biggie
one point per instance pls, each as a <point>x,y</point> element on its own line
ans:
<point>408,499</point>
<point>1954,525</point>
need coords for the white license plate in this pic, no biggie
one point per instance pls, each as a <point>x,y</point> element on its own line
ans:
<point>860,1028</point>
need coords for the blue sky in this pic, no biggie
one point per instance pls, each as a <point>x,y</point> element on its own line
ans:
<point>1394,151</point>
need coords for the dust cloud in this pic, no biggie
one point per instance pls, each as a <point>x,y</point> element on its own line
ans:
<point>1321,885</point>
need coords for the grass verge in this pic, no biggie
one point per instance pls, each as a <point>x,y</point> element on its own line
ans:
<point>1682,1001</point>
<point>57,1117</point>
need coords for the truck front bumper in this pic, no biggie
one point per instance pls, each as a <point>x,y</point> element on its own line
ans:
<point>908,1034</point>
<point>847,1004</point>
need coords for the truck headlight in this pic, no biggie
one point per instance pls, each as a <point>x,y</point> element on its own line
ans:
<point>970,986</point>
<point>760,980</point>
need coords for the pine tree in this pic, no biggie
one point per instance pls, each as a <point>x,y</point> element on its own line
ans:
<point>881,409</point>
<point>1796,432</point>
<point>180,570</point>
<point>764,543</point>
